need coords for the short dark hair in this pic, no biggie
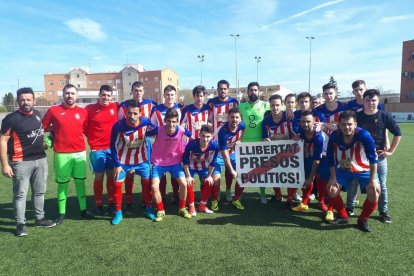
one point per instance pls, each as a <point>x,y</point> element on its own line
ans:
<point>198,90</point>
<point>223,82</point>
<point>253,83</point>
<point>171,113</point>
<point>346,115</point>
<point>133,104</point>
<point>24,90</point>
<point>137,84</point>
<point>105,87</point>
<point>289,95</point>
<point>69,85</point>
<point>306,113</point>
<point>304,95</point>
<point>314,98</point>
<point>329,86</point>
<point>234,110</point>
<point>206,128</point>
<point>275,97</point>
<point>370,93</point>
<point>357,83</point>
<point>169,88</point>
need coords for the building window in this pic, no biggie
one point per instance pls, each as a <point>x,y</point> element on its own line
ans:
<point>156,90</point>
<point>77,76</point>
<point>155,78</point>
<point>118,81</point>
<point>109,81</point>
<point>129,84</point>
<point>412,56</point>
<point>78,85</point>
<point>51,93</point>
<point>98,82</point>
<point>62,83</point>
<point>129,74</point>
<point>146,79</point>
<point>411,94</point>
<point>411,75</point>
<point>91,82</point>
<point>50,82</point>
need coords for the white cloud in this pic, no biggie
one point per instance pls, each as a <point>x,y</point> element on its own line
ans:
<point>86,28</point>
<point>302,13</point>
<point>390,19</point>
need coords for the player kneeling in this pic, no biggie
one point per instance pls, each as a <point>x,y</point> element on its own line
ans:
<point>166,156</point>
<point>200,157</point>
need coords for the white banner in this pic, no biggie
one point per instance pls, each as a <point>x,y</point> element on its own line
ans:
<point>270,164</point>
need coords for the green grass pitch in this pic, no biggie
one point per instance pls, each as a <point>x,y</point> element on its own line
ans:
<point>263,239</point>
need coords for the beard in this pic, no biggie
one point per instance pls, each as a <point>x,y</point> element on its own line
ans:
<point>253,98</point>
<point>26,108</point>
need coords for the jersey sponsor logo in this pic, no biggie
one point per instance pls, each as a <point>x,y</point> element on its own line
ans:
<point>77,116</point>
<point>63,113</point>
<point>97,111</point>
<point>346,164</point>
<point>38,118</point>
<point>112,111</point>
<point>197,125</point>
<point>222,117</point>
<point>134,144</point>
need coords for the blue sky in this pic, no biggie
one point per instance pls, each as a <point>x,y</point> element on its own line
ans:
<point>353,40</point>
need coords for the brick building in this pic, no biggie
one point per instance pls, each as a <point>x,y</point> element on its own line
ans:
<point>88,83</point>
<point>407,72</point>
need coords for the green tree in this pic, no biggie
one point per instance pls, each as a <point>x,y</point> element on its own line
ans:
<point>333,81</point>
<point>3,109</point>
<point>8,101</point>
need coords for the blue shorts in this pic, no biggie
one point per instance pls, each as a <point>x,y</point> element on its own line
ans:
<point>323,169</point>
<point>101,160</point>
<point>203,172</point>
<point>345,179</point>
<point>220,162</point>
<point>176,171</point>
<point>142,170</point>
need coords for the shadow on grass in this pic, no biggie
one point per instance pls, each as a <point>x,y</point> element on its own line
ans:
<point>270,215</point>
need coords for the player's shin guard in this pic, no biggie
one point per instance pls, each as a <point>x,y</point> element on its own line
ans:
<point>229,179</point>
<point>110,188</point>
<point>215,190</point>
<point>367,209</point>
<point>238,192</point>
<point>163,186</point>
<point>118,195</point>
<point>146,191</point>
<point>175,187</point>
<point>321,187</point>
<point>80,191</point>
<point>338,204</point>
<point>129,187</point>
<point>97,191</point>
<point>62,196</point>
<point>306,194</point>
<point>190,194</point>
<point>291,192</point>
<point>205,194</point>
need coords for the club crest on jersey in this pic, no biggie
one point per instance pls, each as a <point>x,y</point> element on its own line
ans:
<point>77,116</point>
<point>279,137</point>
<point>112,111</point>
<point>38,118</point>
<point>197,125</point>
<point>346,164</point>
<point>134,144</point>
<point>222,117</point>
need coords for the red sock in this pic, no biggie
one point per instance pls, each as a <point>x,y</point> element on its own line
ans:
<point>160,206</point>
<point>367,209</point>
<point>163,186</point>
<point>205,194</point>
<point>291,192</point>
<point>175,187</point>
<point>238,192</point>
<point>97,191</point>
<point>338,204</point>
<point>321,186</point>
<point>110,188</point>
<point>182,204</point>
<point>229,179</point>
<point>146,191</point>
<point>306,193</point>
<point>129,186</point>
<point>118,195</point>
<point>278,192</point>
<point>215,190</point>
<point>190,194</point>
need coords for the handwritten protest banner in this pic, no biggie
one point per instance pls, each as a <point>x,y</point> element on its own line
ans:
<point>270,164</point>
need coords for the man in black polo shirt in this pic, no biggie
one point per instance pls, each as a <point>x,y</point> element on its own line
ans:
<point>23,158</point>
<point>377,122</point>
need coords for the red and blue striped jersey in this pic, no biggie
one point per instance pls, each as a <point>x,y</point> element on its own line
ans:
<point>158,113</point>
<point>128,145</point>
<point>220,110</point>
<point>194,118</point>
<point>146,106</point>
<point>227,140</point>
<point>281,130</point>
<point>198,158</point>
<point>356,156</point>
